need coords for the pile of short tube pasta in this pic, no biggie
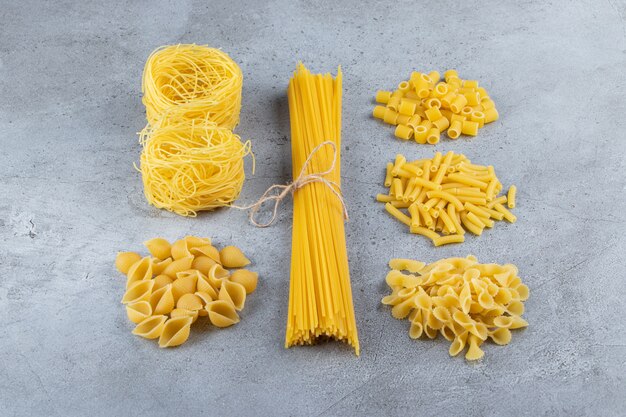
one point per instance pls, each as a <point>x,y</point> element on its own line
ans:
<point>192,161</point>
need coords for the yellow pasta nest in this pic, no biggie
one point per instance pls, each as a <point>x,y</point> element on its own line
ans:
<point>191,165</point>
<point>467,302</point>
<point>168,291</point>
<point>200,82</point>
<point>446,194</point>
<point>424,107</point>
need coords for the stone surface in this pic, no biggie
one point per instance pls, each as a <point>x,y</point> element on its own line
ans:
<point>70,105</point>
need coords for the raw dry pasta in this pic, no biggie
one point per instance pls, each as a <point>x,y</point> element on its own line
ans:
<point>424,107</point>
<point>164,304</point>
<point>444,196</point>
<point>467,302</point>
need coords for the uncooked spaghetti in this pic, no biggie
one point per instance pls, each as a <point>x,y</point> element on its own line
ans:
<point>191,165</point>
<point>320,297</point>
<point>200,82</point>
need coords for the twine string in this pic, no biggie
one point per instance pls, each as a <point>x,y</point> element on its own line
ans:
<point>278,192</point>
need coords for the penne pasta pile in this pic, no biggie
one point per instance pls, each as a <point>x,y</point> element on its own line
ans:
<point>167,292</point>
<point>446,194</point>
<point>424,107</point>
<point>467,302</point>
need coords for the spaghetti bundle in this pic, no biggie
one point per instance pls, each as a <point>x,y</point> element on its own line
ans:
<point>190,165</point>
<point>200,82</point>
<point>191,159</point>
<point>320,297</point>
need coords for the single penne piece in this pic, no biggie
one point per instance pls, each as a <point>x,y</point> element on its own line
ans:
<point>400,160</point>
<point>468,180</point>
<point>388,176</point>
<point>441,172</point>
<point>416,192</point>
<point>384,198</point>
<point>447,220</point>
<point>510,217</point>
<point>400,203</point>
<point>471,226</point>
<point>453,185</point>
<point>428,220</point>
<point>398,192</point>
<point>427,184</point>
<point>409,189</point>
<point>493,213</point>
<point>475,200</point>
<point>491,189</point>
<point>439,225</point>
<point>455,218</point>
<point>441,204</point>
<point>422,196</point>
<point>445,240</point>
<point>405,174</point>
<point>424,232</point>
<point>447,159</point>
<point>431,203</point>
<point>415,215</point>
<point>498,200</point>
<point>426,170</point>
<point>436,161</point>
<point>474,219</point>
<point>468,192</point>
<point>510,196</point>
<point>446,196</point>
<point>398,214</point>
<point>413,169</point>
<point>476,210</point>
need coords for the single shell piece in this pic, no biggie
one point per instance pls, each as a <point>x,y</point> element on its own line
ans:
<point>139,311</point>
<point>159,266</point>
<point>209,251</point>
<point>178,265</point>
<point>161,281</point>
<point>150,328</point>
<point>181,312</point>
<point>233,257</point>
<point>203,264</point>
<point>180,250</point>
<point>222,313</point>
<point>234,293</point>
<point>124,260</point>
<point>246,278</point>
<point>159,247</point>
<point>175,332</point>
<point>205,285</point>
<point>185,284</point>
<point>400,311</point>
<point>190,302</point>
<point>138,291</point>
<point>217,275</point>
<point>140,270</point>
<point>206,299</point>
<point>162,300</point>
<point>194,242</point>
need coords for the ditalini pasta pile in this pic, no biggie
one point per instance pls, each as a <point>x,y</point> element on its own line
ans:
<point>167,292</point>
<point>191,160</point>
<point>467,302</point>
<point>424,107</point>
<point>320,297</point>
<point>446,194</point>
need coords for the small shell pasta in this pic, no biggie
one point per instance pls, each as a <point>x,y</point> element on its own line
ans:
<point>168,291</point>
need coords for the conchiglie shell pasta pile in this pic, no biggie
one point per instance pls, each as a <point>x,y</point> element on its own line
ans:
<point>190,278</point>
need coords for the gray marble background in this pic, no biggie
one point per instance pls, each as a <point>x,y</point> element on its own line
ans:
<point>70,199</point>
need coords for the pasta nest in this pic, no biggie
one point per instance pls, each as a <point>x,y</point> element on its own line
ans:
<point>203,82</point>
<point>191,165</point>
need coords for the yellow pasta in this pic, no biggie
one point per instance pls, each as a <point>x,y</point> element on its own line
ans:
<point>165,296</point>
<point>320,294</point>
<point>429,107</point>
<point>446,196</point>
<point>201,82</point>
<point>510,196</point>
<point>465,301</point>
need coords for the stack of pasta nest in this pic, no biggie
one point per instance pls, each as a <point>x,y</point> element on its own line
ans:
<point>191,159</point>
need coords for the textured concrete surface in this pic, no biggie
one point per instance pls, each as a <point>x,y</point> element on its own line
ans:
<point>69,109</point>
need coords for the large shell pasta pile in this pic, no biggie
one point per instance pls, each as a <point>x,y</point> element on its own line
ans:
<point>446,194</point>
<point>467,302</point>
<point>167,291</point>
<point>424,107</point>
